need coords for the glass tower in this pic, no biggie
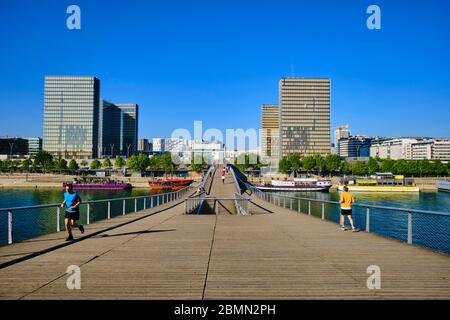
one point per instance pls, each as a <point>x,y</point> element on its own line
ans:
<point>71,116</point>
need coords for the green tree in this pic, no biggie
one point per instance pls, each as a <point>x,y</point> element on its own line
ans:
<point>387,165</point>
<point>138,163</point>
<point>320,163</point>
<point>360,168</point>
<point>295,162</point>
<point>107,163</point>
<point>119,162</point>
<point>83,163</point>
<point>44,160</point>
<point>308,163</point>
<point>60,164</point>
<point>346,168</point>
<point>95,165</point>
<point>372,166</point>
<point>26,165</point>
<point>332,162</point>
<point>73,165</point>
<point>198,162</point>
<point>284,166</point>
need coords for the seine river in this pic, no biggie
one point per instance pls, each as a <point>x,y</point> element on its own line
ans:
<point>430,231</point>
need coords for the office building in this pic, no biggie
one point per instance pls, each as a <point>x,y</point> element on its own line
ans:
<point>71,116</point>
<point>354,147</point>
<point>395,149</point>
<point>159,144</point>
<point>304,116</point>
<point>144,145</point>
<point>341,132</point>
<point>270,135</point>
<point>118,129</point>
<point>13,147</point>
<point>435,149</point>
<point>34,145</point>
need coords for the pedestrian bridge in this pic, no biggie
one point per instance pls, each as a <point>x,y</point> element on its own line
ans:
<point>272,253</point>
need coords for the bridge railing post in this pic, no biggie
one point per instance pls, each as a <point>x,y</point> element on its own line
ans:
<point>88,213</point>
<point>124,207</point>
<point>323,211</point>
<point>145,203</point>
<point>368,220</point>
<point>109,209</point>
<point>10,227</point>
<point>58,217</point>
<point>151,202</point>
<point>291,204</point>
<point>309,207</point>
<point>135,205</point>
<point>299,206</point>
<point>410,239</point>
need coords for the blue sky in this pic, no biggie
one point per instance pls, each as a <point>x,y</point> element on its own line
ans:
<point>219,60</point>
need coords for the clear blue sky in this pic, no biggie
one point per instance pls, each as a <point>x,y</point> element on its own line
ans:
<point>219,60</point>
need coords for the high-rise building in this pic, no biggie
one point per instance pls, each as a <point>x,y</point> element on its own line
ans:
<point>34,145</point>
<point>119,129</point>
<point>144,145</point>
<point>270,135</point>
<point>341,132</point>
<point>159,144</point>
<point>71,116</point>
<point>304,116</point>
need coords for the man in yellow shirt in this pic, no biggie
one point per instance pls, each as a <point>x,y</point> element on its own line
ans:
<point>346,202</point>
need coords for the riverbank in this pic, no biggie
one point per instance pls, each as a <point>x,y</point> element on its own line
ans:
<point>49,181</point>
<point>425,184</point>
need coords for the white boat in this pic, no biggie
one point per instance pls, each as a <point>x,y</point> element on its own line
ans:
<point>298,185</point>
<point>443,185</point>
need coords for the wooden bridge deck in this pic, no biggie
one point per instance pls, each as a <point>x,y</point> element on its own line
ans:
<point>169,255</point>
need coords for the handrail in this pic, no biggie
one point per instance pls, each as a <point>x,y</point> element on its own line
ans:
<point>88,202</point>
<point>235,180</point>
<point>362,205</point>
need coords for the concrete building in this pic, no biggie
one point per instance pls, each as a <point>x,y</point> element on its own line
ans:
<point>210,151</point>
<point>341,132</point>
<point>71,116</point>
<point>34,145</point>
<point>436,149</point>
<point>159,144</point>
<point>394,149</point>
<point>304,116</point>
<point>270,135</point>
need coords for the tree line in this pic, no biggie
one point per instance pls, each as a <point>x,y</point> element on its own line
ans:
<point>334,164</point>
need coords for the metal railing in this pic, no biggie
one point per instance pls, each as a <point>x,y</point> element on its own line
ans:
<point>194,205</point>
<point>236,181</point>
<point>126,205</point>
<point>429,229</point>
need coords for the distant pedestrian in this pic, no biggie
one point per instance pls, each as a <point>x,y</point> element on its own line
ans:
<point>223,176</point>
<point>72,202</point>
<point>346,200</point>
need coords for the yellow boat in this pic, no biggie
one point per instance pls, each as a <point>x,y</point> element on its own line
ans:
<point>356,188</point>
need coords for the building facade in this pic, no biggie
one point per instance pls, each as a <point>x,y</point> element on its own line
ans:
<point>159,144</point>
<point>270,135</point>
<point>144,145</point>
<point>71,116</point>
<point>436,149</point>
<point>118,129</point>
<point>355,147</point>
<point>304,116</point>
<point>13,147</point>
<point>34,145</point>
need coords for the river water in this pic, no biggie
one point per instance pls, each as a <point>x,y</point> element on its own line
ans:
<point>429,231</point>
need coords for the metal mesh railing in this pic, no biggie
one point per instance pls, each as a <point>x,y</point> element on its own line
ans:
<point>22,223</point>
<point>430,229</point>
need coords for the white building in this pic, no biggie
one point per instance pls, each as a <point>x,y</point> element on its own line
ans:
<point>159,144</point>
<point>436,149</point>
<point>394,149</point>
<point>211,151</point>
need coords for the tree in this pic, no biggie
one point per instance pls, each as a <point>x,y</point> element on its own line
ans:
<point>309,163</point>
<point>44,160</point>
<point>73,165</point>
<point>60,164</point>
<point>332,162</point>
<point>320,163</point>
<point>198,162</point>
<point>26,165</point>
<point>346,168</point>
<point>295,162</point>
<point>84,163</point>
<point>360,168</point>
<point>107,163</point>
<point>372,166</point>
<point>387,165</point>
<point>95,165</point>
<point>119,162</point>
<point>284,166</point>
<point>138,163</point>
